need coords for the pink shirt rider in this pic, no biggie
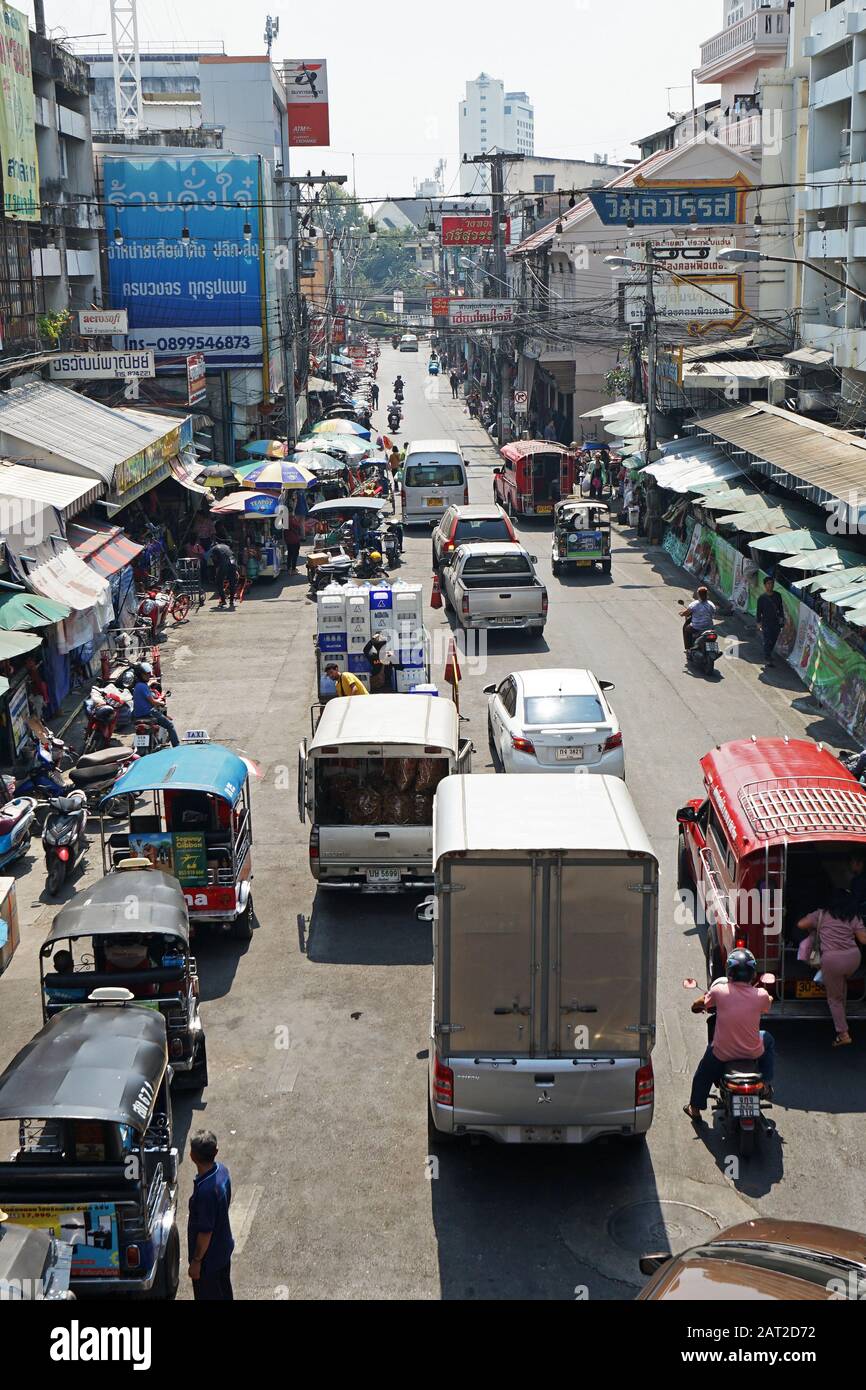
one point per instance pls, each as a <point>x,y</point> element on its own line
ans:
<point>738,1019</point>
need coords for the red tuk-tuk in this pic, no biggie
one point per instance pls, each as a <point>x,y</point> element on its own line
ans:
<point>768,842</point>
<point>533,477</point>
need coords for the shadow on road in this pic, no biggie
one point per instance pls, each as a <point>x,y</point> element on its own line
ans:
<point>348,929</point>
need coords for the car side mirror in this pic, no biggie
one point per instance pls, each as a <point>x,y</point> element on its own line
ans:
<point>687,815</point>
<point>488,690</point>
<point>651,1264</point>
<point>534,559</point>
<point>607,685</point>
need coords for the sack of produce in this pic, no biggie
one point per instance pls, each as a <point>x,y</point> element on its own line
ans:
<point>397,807</point>
<point>402,773</point>
<point>422,808</point>
<point>430,773</point>
<point>364,807</point>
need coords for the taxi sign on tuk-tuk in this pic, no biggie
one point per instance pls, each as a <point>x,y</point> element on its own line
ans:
<point>196,736</point>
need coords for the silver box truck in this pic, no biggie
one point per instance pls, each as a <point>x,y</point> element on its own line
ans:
<point>544,960</point>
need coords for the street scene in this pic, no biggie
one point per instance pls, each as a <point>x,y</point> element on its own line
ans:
<point>432,690</point>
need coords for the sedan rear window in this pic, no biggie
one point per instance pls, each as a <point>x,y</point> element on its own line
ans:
<point>433,475</point>
<point>564,709</point>
<point>495,565</point>
<point>494,528</point>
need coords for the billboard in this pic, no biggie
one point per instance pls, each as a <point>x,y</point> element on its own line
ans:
<point>480,313</point>
<point>95,322</point>
<point>471,231</point>
<point>201,297</point>
<point>709,302</point>
<point>306,84</point>
<point>17,119</point>
<point>101,366</point>
<point>689,204</point>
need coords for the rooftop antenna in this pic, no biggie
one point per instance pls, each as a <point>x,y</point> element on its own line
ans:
<point>272,28</point>
<point>127,67</point>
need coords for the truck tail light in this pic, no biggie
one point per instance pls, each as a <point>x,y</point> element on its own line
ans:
<point>545,603</point>
<point>522,745</point>
<point>443,1083</point>
<point>644,1085</point>
<point>314,844</point>
<point>615,741</point>
<point>464,604</point>
<point>466,495</point>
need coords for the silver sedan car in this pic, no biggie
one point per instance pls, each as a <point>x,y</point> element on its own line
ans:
<point>554,721</point>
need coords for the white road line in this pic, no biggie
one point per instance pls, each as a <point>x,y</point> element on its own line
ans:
<point>675,1043</point>
<point>243,1209</point>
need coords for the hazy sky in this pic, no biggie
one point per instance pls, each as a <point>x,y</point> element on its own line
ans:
<point>597,70</point>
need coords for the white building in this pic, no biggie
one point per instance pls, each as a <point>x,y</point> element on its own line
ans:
<point>492,119</point>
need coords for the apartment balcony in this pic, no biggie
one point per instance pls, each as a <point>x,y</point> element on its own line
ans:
<point>71,123</point>
<point>759,38</point>
<point>742,134</point>
<point>79,212</point>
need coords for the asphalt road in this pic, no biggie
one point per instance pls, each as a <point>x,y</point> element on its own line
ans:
<point>317,1031</point>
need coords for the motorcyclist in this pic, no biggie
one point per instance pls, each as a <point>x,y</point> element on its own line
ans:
<point>700,616</point>
<point>739,1002</point>
<point>399,386</point>
<point>369,564</point>
<point>145,703</point>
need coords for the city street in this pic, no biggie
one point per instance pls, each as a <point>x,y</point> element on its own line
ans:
<point>317,1031</point>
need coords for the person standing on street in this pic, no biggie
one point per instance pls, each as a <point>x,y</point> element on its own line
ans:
<point>209,1233</point>
<point>771,618</point>
<point>295,533</point>
<point>455,385</point>
<point>374,395</point>
<point>345,682</point>
<point>225,572</point>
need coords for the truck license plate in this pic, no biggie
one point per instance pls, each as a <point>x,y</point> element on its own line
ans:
<point>434,501</point>
<point>541,1134</point>
<point>583,564</point>
<point>504,622</point>
<point>745,1107</point>
<point>569,755</point>
<point>383,875</point>
<point>807,989</point>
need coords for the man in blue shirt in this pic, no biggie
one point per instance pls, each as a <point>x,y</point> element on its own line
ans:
<point>209,1233</point>
<point>145,707</point>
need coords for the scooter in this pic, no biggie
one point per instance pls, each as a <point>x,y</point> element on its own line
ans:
<point>63,838</point>
<point>41,781</point>
<point>149,736</point>
<point>704,651</point>
<point>16,821</point>
<point>742,1093</point>
<point>344,568</point>
<point>398,394</point>
<point>395,418</point>
<point>95,773</point>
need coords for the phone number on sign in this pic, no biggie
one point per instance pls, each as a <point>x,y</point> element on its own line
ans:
<point>240,342</point>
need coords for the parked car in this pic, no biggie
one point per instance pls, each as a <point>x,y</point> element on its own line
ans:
<point>764,1259</point>
<point>554,721</point>
<point>463,525</point>
<point>494,584</point>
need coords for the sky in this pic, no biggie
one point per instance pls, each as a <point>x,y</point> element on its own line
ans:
<point>597,71</point>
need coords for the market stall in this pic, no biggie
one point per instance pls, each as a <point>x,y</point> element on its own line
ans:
<point>254,523</point>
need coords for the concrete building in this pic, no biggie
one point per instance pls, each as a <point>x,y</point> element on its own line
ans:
<point>490,118</point>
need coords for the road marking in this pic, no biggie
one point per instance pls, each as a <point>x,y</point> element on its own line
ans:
<point>286,1076</point>
<point>675,1043</point>
<point>243,1210</point>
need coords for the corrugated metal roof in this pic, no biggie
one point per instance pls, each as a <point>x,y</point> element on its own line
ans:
<point>744,370</point>
<point>818,455</point>
<point>91,437</point>
<point>64,491</point>
<point>681,473</point>
<point>810,357</point>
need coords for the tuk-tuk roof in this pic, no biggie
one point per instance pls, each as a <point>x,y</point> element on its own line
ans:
<point>348,504</point>
<point>89,1062</point>
<point>103,909</point>
<point>768,791</point>
<point>191,767</point>
<point>578,503</point>
<point>524,448</point>
<point>24,1251</point>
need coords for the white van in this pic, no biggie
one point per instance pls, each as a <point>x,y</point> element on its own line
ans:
<point>366,782</point>
<point>434,479</point>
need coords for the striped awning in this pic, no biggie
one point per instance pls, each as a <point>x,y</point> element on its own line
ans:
<point>106,549</point>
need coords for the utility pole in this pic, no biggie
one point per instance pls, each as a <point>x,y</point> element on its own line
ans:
<point>297,308</point>
<point>651,333</point>
<point>496,163</point>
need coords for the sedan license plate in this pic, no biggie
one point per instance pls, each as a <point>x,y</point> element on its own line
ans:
<point>434,502</point>
<point>569,755</point>
<point>745,1107</point>
<point>383,875</point>
<point>807,989</point>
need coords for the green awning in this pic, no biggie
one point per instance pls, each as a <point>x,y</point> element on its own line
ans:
<point>838,583</point>
<point>17,643</point>
<point>726,499</point>
<point>790,542</point>
<point>23,612</point>
<point>815,561</point>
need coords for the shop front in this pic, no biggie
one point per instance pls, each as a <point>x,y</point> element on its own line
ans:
<point>21,678</point>
<point>254,524</point>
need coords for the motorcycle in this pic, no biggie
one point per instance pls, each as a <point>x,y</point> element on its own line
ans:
<point>63,838</point>
<point>95,773</point>
<point>16,820</point>
<point>398,392</point>
<point>705,649</point>
<point>149,736</point>
<point>741,1092</point>
<point>395,418</point>
<point>344,568</point>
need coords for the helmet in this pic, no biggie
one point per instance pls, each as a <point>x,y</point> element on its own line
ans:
<point>145,667</point>
<point>741,966</point>
<point>376,557</point>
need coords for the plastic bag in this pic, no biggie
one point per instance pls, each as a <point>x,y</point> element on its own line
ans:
<point>422,808</point>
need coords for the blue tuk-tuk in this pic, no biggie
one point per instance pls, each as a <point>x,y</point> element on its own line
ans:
<point>198,828</point>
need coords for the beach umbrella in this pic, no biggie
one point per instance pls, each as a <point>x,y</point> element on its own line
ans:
<point>316,459</point>
<point>275,474</point>
<point>266,449</point>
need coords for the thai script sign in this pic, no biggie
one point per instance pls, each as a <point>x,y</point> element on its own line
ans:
<point>17,119</point>
<point>701,205</point>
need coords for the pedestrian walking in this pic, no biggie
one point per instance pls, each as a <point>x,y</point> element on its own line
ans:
<point>839,934</point>
<point>209,1234</point>
<point>771,618</point>
<point>295,533</point>
<point>225,572</point>
<point>455,385</point>
<point>374,395</point>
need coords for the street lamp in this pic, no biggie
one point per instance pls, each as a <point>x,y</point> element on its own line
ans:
<point>741,255</point>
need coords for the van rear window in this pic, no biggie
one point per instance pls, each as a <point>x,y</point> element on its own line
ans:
<point>433,475</point>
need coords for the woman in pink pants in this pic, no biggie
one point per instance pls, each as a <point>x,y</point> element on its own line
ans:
<point>839,930</point>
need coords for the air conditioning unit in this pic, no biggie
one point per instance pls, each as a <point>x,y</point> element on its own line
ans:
<point>818,400</point>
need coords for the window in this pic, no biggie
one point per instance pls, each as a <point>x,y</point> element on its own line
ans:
<point>508,110</point>
<point>543,183</point>
<point>507,693</point>
<point>492,566</point>
<point>564,709</point>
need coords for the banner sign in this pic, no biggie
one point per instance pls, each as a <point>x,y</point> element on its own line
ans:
<point>201,297</point>
<point>687,301</point>
<point>705,205</point>
<point>439,306</point>
<point>17,119</point>
<point>196,385</point>
<point>102,366</point>
<point>306,84</point>
<point>697,255</point>
<point>480,313</point>
<point>94,322</point>
<point>470,231</point>
<point>399,303</point>
<point>89,1227</point>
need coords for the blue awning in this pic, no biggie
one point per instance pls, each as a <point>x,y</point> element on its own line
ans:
<point>193,767</point>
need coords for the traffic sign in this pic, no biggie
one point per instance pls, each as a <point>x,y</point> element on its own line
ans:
<point>521,402</point>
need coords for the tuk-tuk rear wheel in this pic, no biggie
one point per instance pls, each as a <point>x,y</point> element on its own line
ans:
<point>242,927</point>
<point>168,1270</point>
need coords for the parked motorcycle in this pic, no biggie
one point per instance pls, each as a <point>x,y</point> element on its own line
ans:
<point>16,822</point>
<point>95,773</point>
<point>742,1093</point>
<point>63,838</point>
<point>40,781</point>
<point>344,568</point>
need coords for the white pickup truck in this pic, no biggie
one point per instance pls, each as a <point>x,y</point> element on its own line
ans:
<point>494,584</point>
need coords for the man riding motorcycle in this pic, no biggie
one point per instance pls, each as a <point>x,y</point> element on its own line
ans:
<point>148,704</point>
<point>738,1003</point>
<point>398,388</point>
<point>700,616</point>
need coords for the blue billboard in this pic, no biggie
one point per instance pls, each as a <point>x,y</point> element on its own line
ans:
<point>696,204</point>
<point>201,295</point>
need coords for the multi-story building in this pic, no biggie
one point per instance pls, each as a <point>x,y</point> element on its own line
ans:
<point>492,119</point>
